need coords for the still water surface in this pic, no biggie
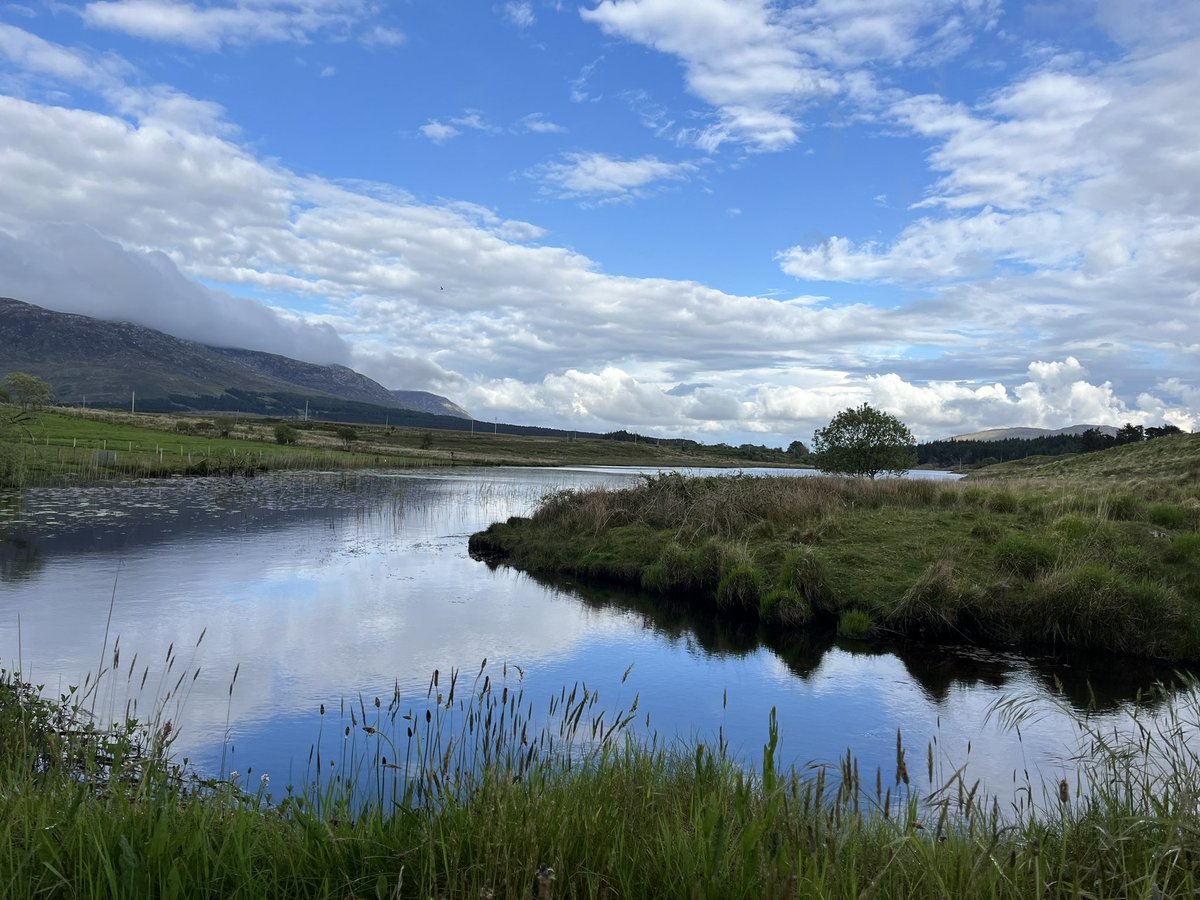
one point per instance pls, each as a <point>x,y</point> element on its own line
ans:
<point>320,588</point>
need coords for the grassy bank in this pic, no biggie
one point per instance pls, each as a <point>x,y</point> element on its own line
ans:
<point>497,806</point>
<point>90,445</point>
<point>1093,563</point>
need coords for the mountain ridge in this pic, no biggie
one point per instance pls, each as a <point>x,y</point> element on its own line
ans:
<point>99,362</point>
<point>1029,432</point>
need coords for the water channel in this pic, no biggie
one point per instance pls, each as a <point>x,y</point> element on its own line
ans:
<point>322,588</point>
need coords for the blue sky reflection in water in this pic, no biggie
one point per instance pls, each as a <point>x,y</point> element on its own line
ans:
<point>322,588</point>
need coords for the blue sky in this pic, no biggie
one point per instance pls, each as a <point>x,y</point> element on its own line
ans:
<point>723,219</point>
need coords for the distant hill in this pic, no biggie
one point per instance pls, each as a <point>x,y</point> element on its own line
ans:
<point>99,363</point>
<point>1174,458</point>
<point>1028,434</point>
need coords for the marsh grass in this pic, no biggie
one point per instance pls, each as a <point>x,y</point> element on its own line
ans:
<point>1084,564</point>
<point>476,791</point>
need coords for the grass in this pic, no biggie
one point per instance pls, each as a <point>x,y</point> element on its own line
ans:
<point>1089,563</point>
<point>74,448</point>
<point>472,795</point>
<point>86,445</point>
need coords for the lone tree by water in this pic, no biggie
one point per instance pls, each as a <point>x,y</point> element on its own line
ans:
<point>864,441</point>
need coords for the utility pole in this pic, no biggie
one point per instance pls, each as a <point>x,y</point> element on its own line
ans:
<point>132,400</point>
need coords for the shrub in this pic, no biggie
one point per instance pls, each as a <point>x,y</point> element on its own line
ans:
<point>1183,548</point>
<point>1123,507</point>
<point>854,623</point>
<point>1168,515</point>
<point>1023,554</point>
<point>935,599</point>
<point>740,587</point>
<point>785,606</point>
<point>803,571</point>
<point>1092,605</point>
<point>1002,502</point>
<point>285,434</point>
<point>12,465</point>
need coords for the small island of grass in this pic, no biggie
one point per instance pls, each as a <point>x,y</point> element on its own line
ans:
<point>1099,552</point>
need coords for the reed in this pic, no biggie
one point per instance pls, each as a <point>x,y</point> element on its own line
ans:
<point>479,791</point>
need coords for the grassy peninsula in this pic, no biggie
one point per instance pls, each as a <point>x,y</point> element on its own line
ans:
<point>1096,552</point>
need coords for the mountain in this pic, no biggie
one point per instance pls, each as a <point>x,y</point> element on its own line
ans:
<point>430,403</point>
<point>100,363</point>
<point>1025,433</point>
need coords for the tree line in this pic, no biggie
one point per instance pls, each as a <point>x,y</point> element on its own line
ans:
<point>974,453</point>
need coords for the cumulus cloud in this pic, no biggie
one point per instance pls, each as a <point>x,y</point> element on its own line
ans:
<point>438,132</point>
<point>1061,212</point>
<point>760,65</point>
<point>456,298</point>
<point>603,176</point>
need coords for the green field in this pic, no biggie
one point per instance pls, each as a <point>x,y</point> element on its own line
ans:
<point>82,445</point>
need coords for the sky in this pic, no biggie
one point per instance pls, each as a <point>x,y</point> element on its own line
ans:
<point>718,219</point>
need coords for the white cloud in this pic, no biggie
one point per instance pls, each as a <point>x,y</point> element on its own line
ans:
<point>761,64</point>
<point>539,124</point>
<point>456,298</point>
<point>214,25</point>
<point>599,175</point>
<point>473,118</point>
<point>520,13</point>
<point>383,36</point>
<point>74,269</point>
<point>580,92</point>
<point>438,132</point>
<point>1063,212</point>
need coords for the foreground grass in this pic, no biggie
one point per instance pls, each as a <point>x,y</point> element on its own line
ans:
<point>1095,564</point>
<point>497,806</point>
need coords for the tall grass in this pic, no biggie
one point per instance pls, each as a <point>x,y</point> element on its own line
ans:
<point>480,792</point>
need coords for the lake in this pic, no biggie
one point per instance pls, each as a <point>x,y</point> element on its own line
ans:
<point>324,588</point>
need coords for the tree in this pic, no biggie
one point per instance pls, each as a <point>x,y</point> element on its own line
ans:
<point>285,434</point>
<point>1130,434</point>
<point>347,436</point>
<point>1094,439</point>
<point>27,391</point>
<point>1162,431</point>
<point>864,441</point>
<point>797,450</point>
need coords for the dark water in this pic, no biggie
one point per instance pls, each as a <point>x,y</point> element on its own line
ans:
<point>321,588</point>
